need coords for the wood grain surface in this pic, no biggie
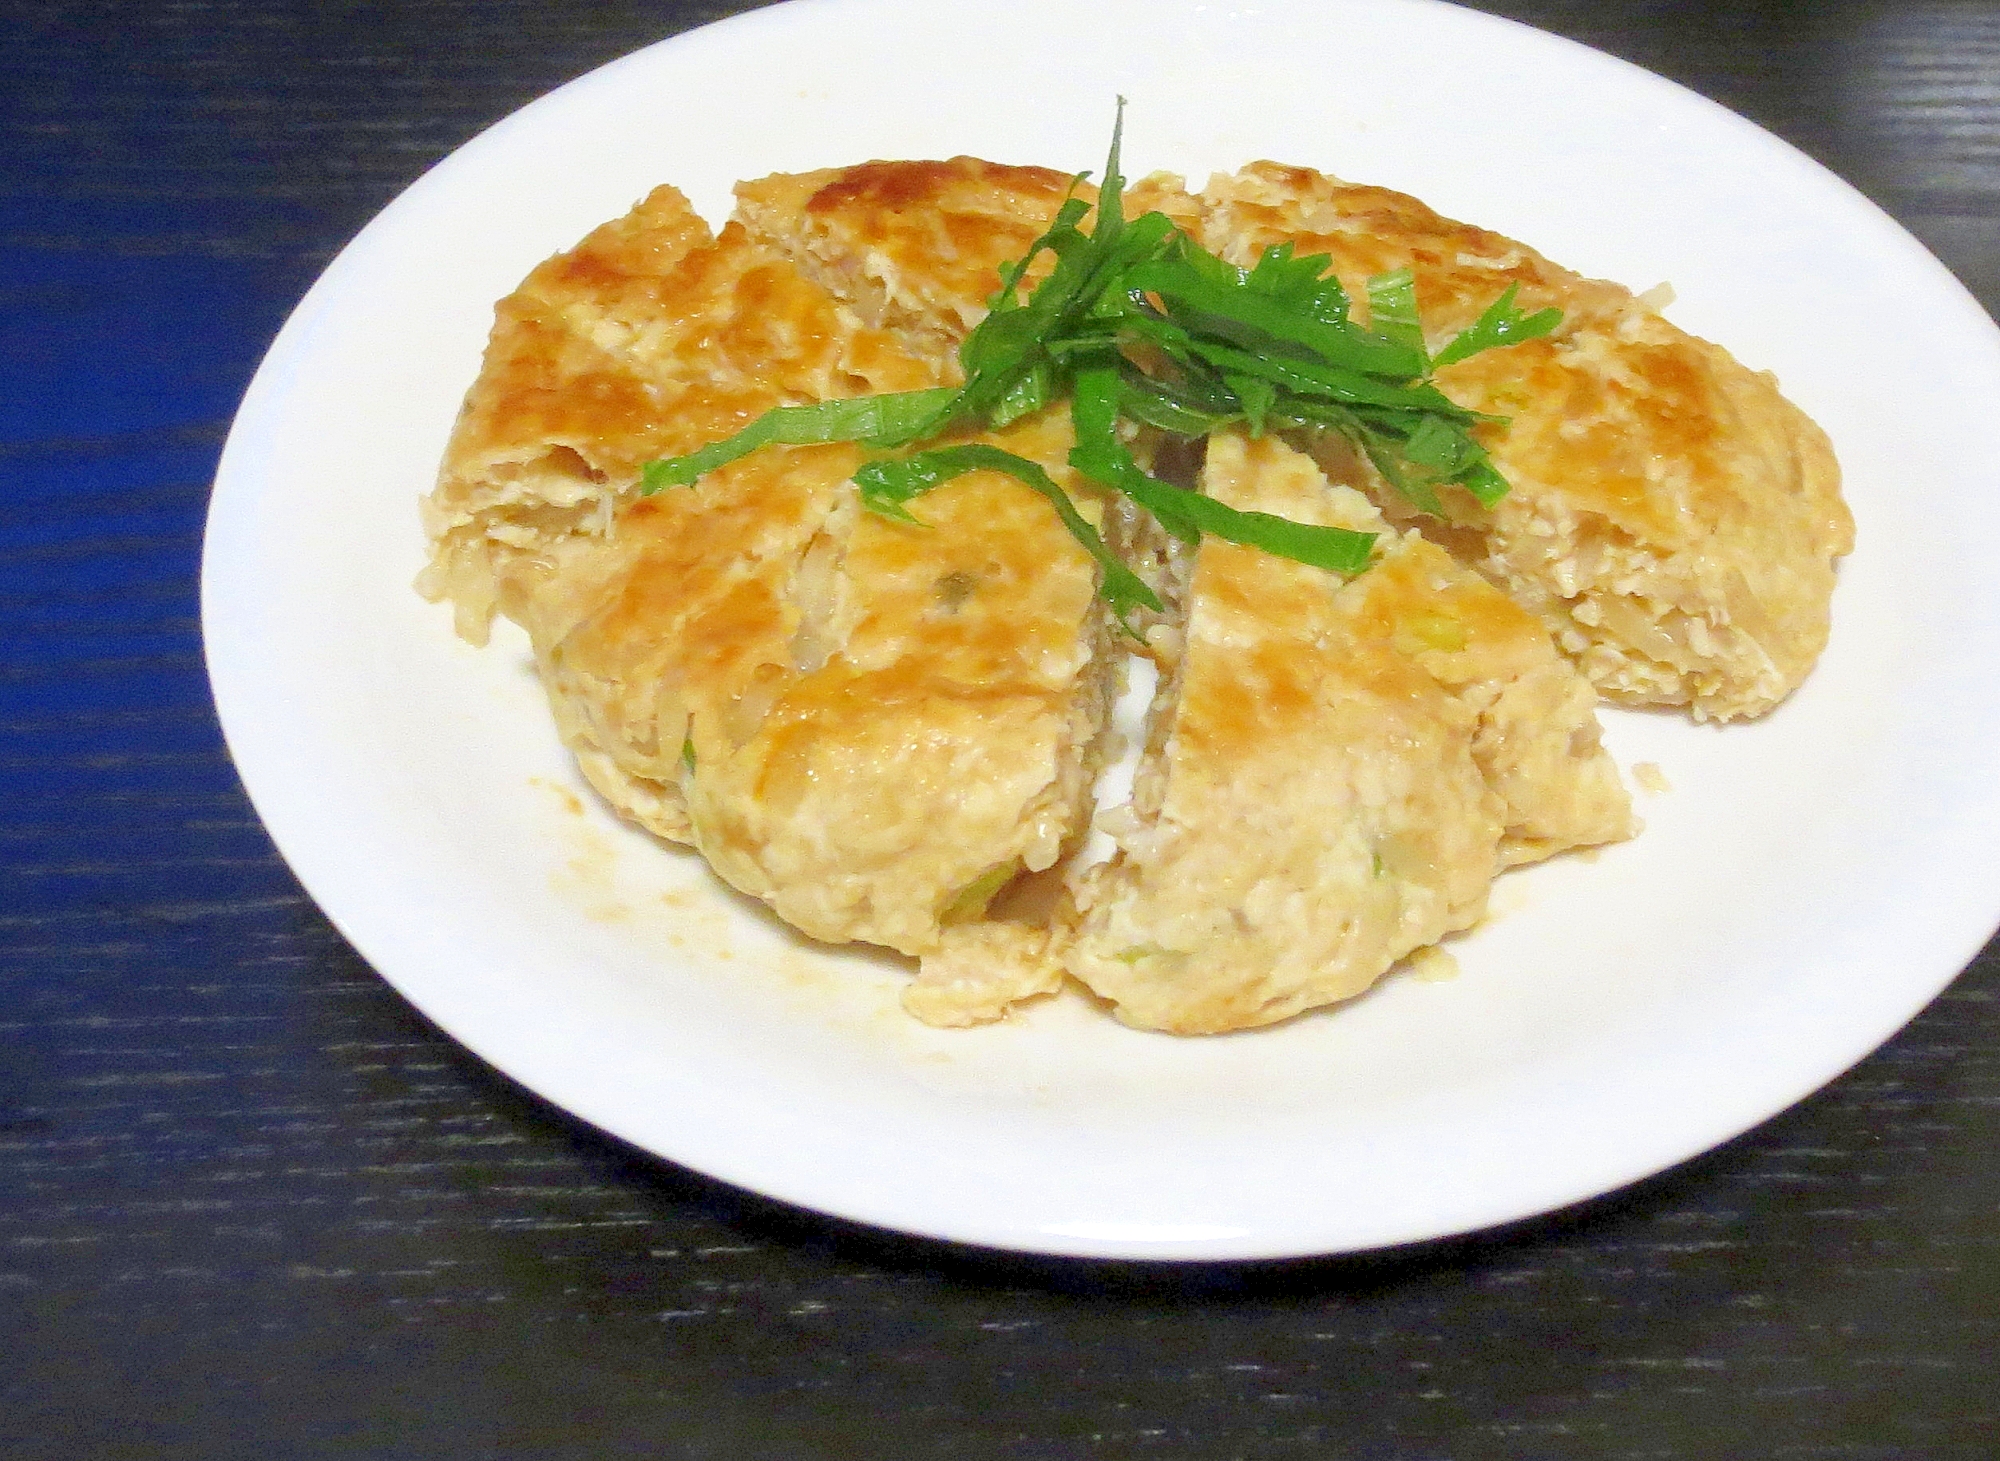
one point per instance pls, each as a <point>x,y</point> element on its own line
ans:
<point>252,1205</point>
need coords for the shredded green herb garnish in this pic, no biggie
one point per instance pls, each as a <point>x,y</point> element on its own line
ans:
<point>1136,322</point>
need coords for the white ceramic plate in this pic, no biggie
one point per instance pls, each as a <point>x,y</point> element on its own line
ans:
<point>1805,886</point>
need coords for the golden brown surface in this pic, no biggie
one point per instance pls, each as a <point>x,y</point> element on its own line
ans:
<point>1673,519</point>
<point>915,246</point>
<point>647,339</point>
<point>1336,773</point>
<point>869,725</point>
<point>1460,269</point>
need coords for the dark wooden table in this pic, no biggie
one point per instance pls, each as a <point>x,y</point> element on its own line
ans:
<point>252,1205</point>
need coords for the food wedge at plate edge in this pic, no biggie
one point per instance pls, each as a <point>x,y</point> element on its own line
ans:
<point>1672,517</point>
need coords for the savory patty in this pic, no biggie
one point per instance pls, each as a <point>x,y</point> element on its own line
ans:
<point>877,726</point>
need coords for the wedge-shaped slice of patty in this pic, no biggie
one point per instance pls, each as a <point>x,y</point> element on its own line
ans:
<point>872,726</point>
<point>947,740</point>
<point>648,339</point>
<point>1336,770</point>
<point>1674,519</point>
